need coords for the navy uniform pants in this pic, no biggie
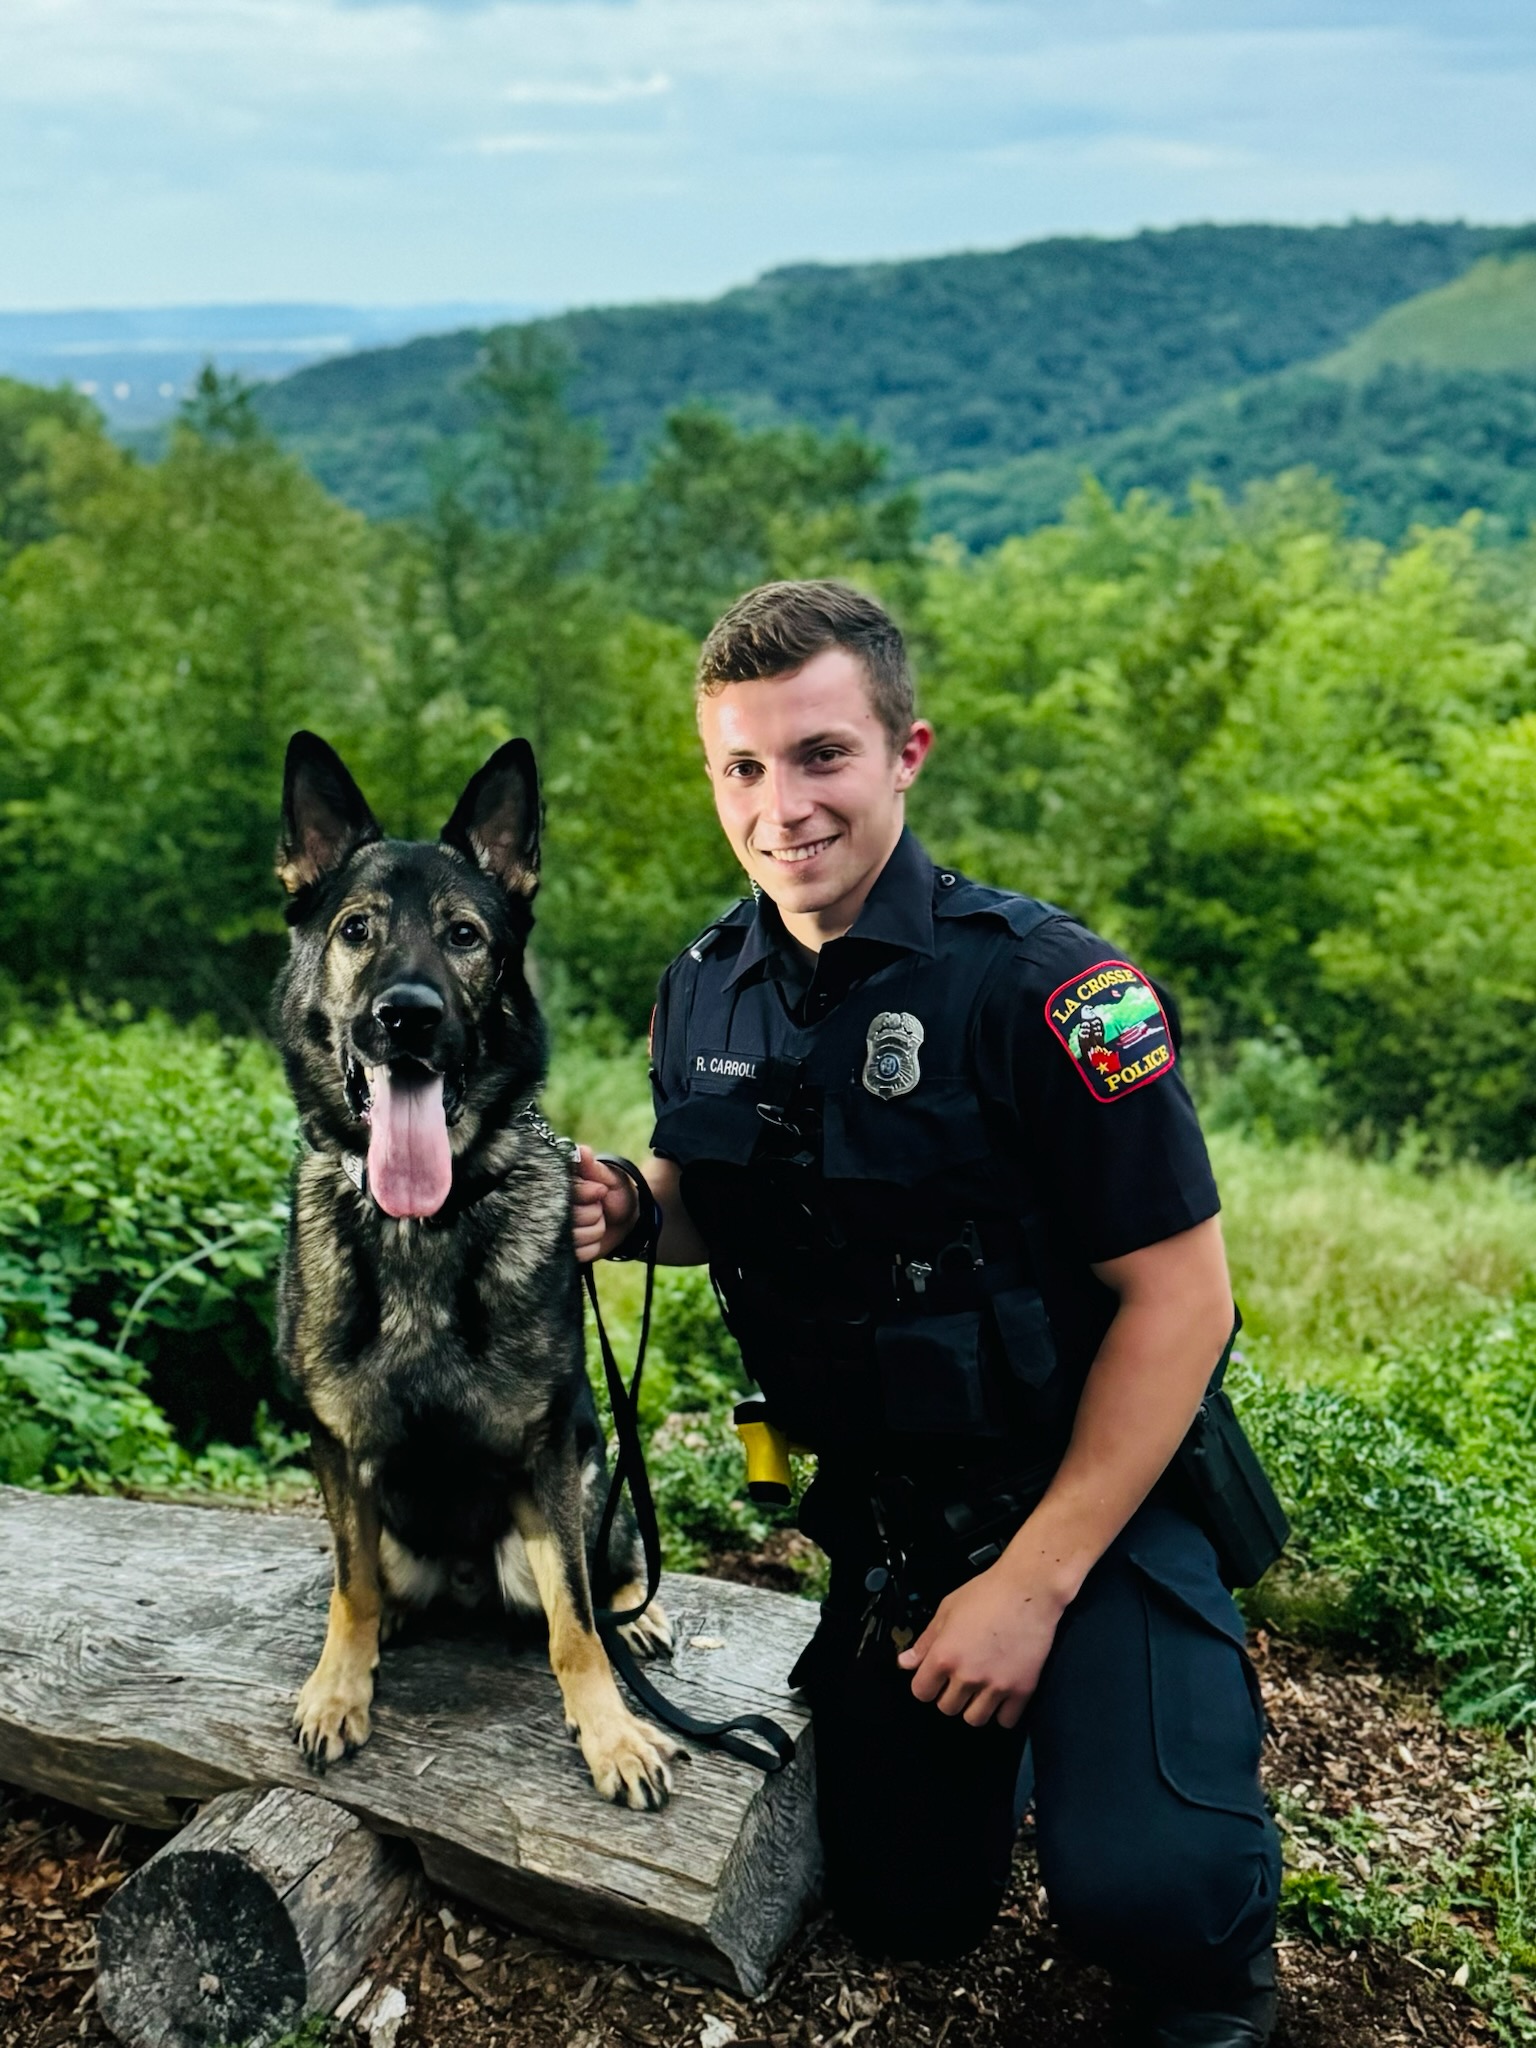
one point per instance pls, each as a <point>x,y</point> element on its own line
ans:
<point>1156,1848</point>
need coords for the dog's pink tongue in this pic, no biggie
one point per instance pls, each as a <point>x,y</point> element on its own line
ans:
<point>410,1169</point>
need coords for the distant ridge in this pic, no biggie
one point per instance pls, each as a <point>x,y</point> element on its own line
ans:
<point>137,363</point>
<point>1404,447</point>
<point>1426,414</point>
<point>955,363</point>
<point>1483,321</point>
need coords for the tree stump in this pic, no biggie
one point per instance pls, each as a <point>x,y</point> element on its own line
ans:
<point>259,1913</point>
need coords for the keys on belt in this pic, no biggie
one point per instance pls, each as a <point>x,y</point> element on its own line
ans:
<point>894,1612</point>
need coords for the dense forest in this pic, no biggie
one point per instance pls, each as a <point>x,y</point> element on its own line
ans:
<point>1426,414</point>
<point>951,363</point>
<point>1408,445</point>
<point>1288,767</point>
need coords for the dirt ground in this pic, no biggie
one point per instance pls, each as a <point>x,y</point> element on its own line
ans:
<point>1346,1739</point>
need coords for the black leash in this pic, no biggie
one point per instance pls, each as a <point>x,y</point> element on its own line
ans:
<point>751,1738</point>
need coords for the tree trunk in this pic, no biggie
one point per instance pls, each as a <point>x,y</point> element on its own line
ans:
<point>258,1914</point>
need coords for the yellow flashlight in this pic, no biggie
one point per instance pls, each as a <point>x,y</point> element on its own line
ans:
<point>767,1449</point>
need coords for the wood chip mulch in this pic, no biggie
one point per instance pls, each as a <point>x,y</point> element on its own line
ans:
<point>1347,1739</point>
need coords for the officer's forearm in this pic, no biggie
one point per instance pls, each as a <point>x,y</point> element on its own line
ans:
<point>681,1244</point>
<point>1140,1397</point>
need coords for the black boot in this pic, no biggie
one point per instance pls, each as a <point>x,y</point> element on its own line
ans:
<point>1245,2018</point>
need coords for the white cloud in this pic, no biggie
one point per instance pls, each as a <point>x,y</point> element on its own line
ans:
<point>1127,152</point>
<point>554,142</point>
<point>190,149</point>
<point>555,92</point>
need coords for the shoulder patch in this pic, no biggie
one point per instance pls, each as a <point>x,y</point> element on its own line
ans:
<point>1113,1028</point>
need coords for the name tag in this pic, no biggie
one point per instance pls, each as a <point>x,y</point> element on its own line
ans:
<point>714,1073</point>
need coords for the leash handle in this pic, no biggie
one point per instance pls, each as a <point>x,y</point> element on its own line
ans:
<point>753,1739</point>
<point>750,1738</point>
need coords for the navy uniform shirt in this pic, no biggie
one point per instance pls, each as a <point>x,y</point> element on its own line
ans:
<point>1071,1052</point>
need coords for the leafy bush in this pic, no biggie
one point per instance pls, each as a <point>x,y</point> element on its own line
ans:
<point>1414,1517</point>
<point>1271,1089</point>
<point>142,1178</point>
<point>693,1380</point>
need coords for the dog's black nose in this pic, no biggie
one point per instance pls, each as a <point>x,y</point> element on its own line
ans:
<point>410,1012</point>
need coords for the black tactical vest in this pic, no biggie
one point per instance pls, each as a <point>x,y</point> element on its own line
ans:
<point>873,1249</point>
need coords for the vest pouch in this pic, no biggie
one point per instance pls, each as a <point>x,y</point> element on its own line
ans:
<point>930,1374</point>
<point>937,1128</point>
<point>1025,1333</point>
<point>1233,1499</point>
<point>711,1126</point>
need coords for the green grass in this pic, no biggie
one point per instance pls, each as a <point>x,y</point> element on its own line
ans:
<point>1485,320</point>
<point>1339,1262</point>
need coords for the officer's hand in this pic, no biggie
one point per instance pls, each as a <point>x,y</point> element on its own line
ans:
<point>983,1651</point>
<point>604,1206</point>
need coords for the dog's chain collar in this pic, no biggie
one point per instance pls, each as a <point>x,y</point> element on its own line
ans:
<point>355,1164</point>
<point>529,1115</point>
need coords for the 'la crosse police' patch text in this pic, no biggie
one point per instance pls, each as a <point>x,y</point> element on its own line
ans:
<point>1112,1025</point>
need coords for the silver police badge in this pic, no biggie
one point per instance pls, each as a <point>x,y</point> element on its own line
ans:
<point>890,1066</point>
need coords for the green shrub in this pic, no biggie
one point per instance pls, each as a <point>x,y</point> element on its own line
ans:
<point>1414,1518</point>
<point>142,1177</point>
<point>692,1382</point>
<point>1270,1089</point>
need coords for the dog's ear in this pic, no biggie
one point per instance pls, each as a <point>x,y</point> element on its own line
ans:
<point>325,815</point>
<point>496,821</point>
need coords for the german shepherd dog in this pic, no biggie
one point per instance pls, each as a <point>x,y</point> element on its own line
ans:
<point>429,1306</point>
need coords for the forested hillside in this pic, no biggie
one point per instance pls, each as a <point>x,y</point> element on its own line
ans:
<point>955,362</point>
<point>1406,445</point>
<point>1484,320</point>
<point>1428,413</point>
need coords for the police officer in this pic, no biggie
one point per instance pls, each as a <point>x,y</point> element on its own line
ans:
<point>932,1140</point>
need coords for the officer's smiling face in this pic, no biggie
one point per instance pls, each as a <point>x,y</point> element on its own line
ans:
<point>809,788</point>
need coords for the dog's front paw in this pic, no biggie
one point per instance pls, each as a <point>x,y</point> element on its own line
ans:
<point>630,1761</point>
<point>650,1634</point>
<point>330,1717</point>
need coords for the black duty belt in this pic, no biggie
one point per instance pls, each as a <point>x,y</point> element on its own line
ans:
<point>881,1285</point>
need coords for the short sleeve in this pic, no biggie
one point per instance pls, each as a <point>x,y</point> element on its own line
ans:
<point>666,1057</point>
<point>1076,1046</point>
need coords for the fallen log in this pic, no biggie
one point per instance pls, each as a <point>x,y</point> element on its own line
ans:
<point>257,1915</point>
<point>149,1656</point>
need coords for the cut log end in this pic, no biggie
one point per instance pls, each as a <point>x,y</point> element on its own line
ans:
<point>260,1913</point>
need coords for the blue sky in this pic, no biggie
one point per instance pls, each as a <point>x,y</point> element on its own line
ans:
<point>580,151</point>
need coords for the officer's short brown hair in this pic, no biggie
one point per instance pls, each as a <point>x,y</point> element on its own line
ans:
<point>779,627</point>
